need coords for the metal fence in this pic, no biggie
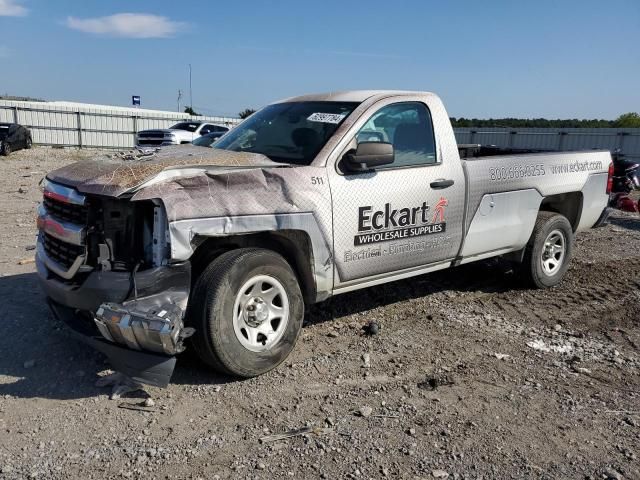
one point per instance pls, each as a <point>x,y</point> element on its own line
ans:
<point>99,126</point>
<point>626,140</point>
<point>91,126</point>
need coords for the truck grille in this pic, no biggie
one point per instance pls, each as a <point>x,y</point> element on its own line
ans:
<point>149,141</point>
<point>63,217</point>
<point>61,252</point>
<point>66,212</point>
<point>152,134</point>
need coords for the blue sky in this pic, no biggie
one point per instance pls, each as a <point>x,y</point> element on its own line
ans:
<point>484,58</point>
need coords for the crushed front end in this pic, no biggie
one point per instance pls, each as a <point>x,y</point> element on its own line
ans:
<point>103,263</point>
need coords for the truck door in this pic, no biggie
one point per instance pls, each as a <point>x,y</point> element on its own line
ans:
<point>402,217</point>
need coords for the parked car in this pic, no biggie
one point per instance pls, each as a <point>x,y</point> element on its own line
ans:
<point>309,197</point>
<point>182,132</point>
<point>208,140</point>
<point>14,137</point>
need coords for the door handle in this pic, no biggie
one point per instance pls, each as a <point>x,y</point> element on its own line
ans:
<point>438,184</point>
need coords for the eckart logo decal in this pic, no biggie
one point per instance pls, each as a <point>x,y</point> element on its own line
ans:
<point>390,224</point>
<point>438,211</point>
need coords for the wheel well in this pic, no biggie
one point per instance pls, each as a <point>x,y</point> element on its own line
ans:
<point>567,204</point>
<point>293,245</point>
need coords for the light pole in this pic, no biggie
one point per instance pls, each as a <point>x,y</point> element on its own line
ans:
<point>179,97</point>
<point>190,89</point>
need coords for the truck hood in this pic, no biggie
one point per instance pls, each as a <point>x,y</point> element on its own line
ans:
<point>118,173</point>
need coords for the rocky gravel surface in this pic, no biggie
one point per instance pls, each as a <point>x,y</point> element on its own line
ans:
<point>462,374</point>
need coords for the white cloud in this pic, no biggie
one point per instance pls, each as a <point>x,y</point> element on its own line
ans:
<point>129,25</point>
<point>12,8</point>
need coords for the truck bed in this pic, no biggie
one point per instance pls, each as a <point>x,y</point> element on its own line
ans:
<point>504,194</point>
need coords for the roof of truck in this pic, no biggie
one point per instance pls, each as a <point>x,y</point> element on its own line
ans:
<point>349,96</point>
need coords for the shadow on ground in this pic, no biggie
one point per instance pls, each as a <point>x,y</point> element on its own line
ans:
<point>41,359</point>
<point>480,277</point>
<point>630,223</point>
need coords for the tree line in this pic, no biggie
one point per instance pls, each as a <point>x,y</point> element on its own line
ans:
<point>627,120</point>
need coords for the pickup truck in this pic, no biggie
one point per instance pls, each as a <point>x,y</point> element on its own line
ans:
<point>221,248</point>
<point>178,134</point>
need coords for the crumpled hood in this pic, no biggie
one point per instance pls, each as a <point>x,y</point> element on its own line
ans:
<point>116,173</point>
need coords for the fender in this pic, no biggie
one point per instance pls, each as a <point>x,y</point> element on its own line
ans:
<point>183,232</point>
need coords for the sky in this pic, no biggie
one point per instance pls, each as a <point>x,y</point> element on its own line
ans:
<point>491,58</point>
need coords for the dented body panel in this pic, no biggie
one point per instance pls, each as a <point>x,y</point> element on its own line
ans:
<point>361,227</point>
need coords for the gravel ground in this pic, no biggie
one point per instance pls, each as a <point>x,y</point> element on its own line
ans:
<point>470,376</point>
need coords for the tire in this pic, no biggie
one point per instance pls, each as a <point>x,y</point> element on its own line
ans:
<point>6,149</point>
<point>28,143</point>
<point>233,344</point>
<point>548,252</point>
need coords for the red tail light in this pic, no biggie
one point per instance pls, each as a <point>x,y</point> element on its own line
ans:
<point>610,179</point>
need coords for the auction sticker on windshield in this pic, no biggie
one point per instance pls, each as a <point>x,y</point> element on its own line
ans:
<point>326,117</point>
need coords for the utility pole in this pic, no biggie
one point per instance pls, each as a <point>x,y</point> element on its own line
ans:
<point>179,97</point>
<point>190,89</point>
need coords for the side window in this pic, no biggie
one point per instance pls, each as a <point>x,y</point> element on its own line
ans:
<point>218,129</point>
<point>408,127</point>
<point>207,129</point>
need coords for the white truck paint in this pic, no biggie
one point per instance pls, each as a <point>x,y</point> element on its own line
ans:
<point>180,133</point>
<point>321,195</point>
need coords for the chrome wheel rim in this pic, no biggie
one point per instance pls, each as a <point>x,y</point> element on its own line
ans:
<point>260,313</point>
<point>553,252</point>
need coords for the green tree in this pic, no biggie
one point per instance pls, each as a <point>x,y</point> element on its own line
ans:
<point>628,120</point>
<point>246,112</point>
<point>191,111</point>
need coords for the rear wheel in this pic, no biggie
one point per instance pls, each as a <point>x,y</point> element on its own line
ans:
<point>6,149</point>
<point>247,310</point>
<point>29,143</point>
<point>548,252</point>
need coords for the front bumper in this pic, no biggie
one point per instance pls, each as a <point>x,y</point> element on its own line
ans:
<point>143,367</point>
<point>164,283</point>
<point>137,324</point>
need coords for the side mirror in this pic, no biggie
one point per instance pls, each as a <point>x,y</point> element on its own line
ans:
<point>368,156</point>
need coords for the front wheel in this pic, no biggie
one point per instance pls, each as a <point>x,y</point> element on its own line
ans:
<point>548,252</point>
<point>28,144</point>
<point>5,150</point>
<point>247,310</point>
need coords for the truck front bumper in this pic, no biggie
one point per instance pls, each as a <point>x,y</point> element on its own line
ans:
<point>116,287</point>
<point>137,324</point>
<point>143,367</point>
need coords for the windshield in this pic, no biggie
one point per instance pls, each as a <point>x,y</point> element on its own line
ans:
<point>189,127</point>
<point>288,132</point>
<point>207,140</point>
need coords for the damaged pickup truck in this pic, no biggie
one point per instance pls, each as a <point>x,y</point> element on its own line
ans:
<point>308,198</point>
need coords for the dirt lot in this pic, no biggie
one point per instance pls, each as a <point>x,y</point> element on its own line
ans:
<point>470,376</point>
